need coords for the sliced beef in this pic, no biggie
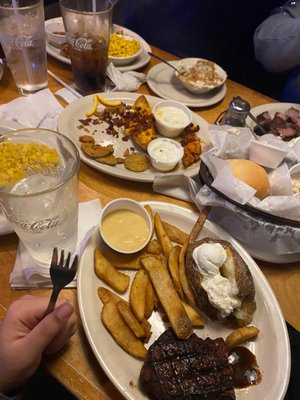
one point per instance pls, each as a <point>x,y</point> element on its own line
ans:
<point>189,369</point>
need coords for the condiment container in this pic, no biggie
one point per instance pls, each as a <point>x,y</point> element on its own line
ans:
<point>164,153</point>
<point>125,226</point>
<point>56,34</point>
<point>266,154</point>
<point>171,117</point>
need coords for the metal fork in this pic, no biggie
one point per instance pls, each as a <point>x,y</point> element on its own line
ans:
<point>61,274</point>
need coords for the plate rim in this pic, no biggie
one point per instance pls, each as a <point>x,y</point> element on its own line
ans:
<point>138,63</point>
<point>116,172</point>
<point>259,278</point>
<point>191,103</point>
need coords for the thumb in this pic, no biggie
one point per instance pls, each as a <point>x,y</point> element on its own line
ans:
<point>49,327</point>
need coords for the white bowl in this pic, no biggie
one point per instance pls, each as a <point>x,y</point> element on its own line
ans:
<point>164,153</point>
<point>119,61</point>
<point>130,206</point>
<point>56,34</point>
<point>266,154</point>
<point>203,70</point>
<point>171,117</point>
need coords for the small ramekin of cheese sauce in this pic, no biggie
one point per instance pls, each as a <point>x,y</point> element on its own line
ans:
<point>171,117</point>
<point>164,153</point>
<point>125,226</point>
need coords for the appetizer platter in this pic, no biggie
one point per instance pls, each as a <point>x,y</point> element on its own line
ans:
<point>138,62</point>
<point>268,342</point>
<point>122,124</point>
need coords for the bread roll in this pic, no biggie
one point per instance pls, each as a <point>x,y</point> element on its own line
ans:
<point>253,175</point>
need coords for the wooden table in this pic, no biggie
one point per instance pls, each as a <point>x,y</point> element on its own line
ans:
<point>75,366</point>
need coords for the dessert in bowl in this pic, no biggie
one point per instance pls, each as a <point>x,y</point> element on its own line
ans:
<point>123,49</point>
<point>199,75</point>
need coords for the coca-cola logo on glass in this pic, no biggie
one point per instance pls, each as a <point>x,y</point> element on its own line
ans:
<point>21,41</point>
<point>39,225</point>
<point>80,43</point>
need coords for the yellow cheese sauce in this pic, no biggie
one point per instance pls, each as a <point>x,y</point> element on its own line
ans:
<point>125,230</point>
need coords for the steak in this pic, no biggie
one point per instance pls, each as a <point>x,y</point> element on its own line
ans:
<point>190,369</point>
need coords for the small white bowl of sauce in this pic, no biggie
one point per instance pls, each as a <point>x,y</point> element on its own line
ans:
<point>125,226</point>
<point>171,117</point>
<point>164,153</point>
<point>295,177</point>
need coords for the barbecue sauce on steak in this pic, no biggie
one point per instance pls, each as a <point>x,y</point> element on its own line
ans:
<point>189,369</point>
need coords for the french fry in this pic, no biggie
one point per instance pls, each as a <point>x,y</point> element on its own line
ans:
<point>194,316</point>
<point>120,331</point>
<point>150,212</point>
<point>182,276</point>
<point>240,335</point>
<point>137,295</point>
<point>168,296</point>
<point>174,233</point>
<point>123,261</point>
<point>174,269</point>
<point>198,224</point>
<point>109,274</point>
<point>162,236</point>
<point>106,295</point>
<point>149,305</point>
<point>130,319</point>
<point>154,247</point>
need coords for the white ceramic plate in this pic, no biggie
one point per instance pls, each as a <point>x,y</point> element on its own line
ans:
<point>1,71</point>
<point>163,82</point>
<point>271,347</point>
<point>272,108</point>
<point>69,120</point>
<point>139,62</point>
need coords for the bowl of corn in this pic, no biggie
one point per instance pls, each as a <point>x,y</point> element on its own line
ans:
<point>123,49</point>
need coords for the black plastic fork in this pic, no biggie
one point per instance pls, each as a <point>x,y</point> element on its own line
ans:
<point>61,275</point>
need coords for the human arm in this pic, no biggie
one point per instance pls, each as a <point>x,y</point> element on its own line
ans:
<point>25,336</point>
<point>277,38</point>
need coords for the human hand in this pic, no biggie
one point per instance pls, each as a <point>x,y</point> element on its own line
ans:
<point>25,336</point>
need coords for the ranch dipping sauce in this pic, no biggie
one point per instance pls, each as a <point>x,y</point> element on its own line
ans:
<point>165,151</point>
<point>125,230</point>
<point>172,116</point>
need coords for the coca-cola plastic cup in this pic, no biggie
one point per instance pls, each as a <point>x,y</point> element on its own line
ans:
<point>22,35</point>
<point>88,26</point>
<point>39,190</point>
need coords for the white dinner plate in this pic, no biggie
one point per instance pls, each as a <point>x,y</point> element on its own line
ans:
<point>68,124</point>
<point>271,347</point>
<point>272,108</point>
<point>162,80</point>
<point>1,71</point>
<point>139,62</point>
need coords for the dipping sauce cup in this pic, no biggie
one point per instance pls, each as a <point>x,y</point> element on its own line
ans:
<point>88,26</point>
<point>23,38</point>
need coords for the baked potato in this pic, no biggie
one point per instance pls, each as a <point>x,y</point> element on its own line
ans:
<point>224,292</point>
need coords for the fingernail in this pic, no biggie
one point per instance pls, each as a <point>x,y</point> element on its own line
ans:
<point>64,311</point>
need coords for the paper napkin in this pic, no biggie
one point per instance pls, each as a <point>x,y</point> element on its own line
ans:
<point>27,274</point>
<point>39,110</point>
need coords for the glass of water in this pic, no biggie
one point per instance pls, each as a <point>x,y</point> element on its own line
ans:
<point>23,38</point>
<point>39,190</point>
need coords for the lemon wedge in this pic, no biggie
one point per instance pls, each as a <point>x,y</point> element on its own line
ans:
<point>108,102</point>
<point>95,106</point>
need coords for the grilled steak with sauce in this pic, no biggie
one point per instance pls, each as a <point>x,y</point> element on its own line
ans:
<point>192,369</point>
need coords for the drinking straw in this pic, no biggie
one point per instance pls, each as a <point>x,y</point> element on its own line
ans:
<point>94,5</point>
<point>63,83</point>
<point>26,59</point>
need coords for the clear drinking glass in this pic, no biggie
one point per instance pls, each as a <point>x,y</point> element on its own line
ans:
<point>88,26</point>
<point>42,203</point>
<point>22,35</point>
